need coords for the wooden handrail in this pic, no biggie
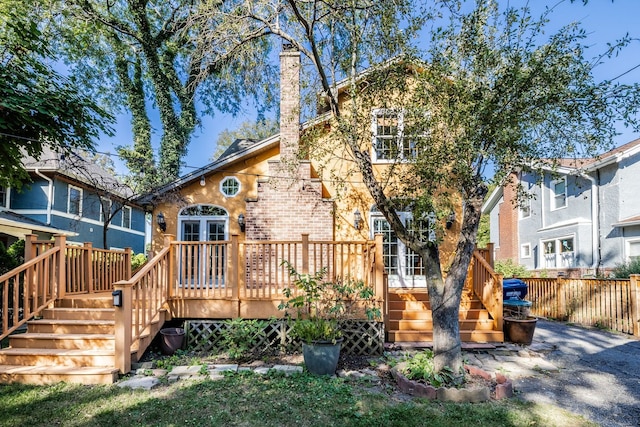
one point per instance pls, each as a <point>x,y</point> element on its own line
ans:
<point>32,287</point>
<point>487,285</point>
<point>143,297</point>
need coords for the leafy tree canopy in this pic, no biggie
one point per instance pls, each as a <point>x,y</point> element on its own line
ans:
<point>37,105</point>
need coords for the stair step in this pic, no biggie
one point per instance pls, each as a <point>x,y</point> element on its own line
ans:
<point>75,326</point>
<point>474,313</point>
<point>427,325</point>
<point>69,313</point>
<point>57,357</point>
<point>86,301</point>
<point>66,341</point>
<point>466,336</point>
<point>42,375</point>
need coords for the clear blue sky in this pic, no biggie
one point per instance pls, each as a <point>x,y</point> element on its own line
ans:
<point>604,20</point>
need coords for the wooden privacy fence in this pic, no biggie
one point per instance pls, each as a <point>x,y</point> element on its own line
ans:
<point>606,303</point>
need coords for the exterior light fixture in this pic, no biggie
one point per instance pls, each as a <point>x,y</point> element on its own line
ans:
<point>203,182</point>
<point>357,220</point>
<point>241,222</point>
<point>161,222</point>
<point>451,219</point>
<point>117,298</point>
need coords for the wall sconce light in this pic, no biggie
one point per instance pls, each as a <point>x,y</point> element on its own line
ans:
<point>117,298</point>
<point>241,222</point>
<point>451,219</point>
<point>357,220</point>
<point>161,222</point>
<point>203,182</point>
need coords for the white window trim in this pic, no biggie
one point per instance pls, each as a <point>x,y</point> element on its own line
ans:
<point>554,194</point>
<point>521,214</point>
<point>229,178</point>
<point>69,200</point>
<point>556,242</point>
<point>203,221</point>
<point>627,248</point>
<point>125,208</point>
<point>375,113</point>
<point>522,249</point>
<point>102,202</point>
<point>7,203</point>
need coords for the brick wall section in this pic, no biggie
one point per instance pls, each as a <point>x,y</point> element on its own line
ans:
<point>508,226</point>
<point>285,209</point>
<point>289,203</point>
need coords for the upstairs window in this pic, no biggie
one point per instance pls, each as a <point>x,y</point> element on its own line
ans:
<point>4,197</point>
<point>525,208</point>
<point>105,209</point>
<point>559,193</point>
<point>389,142</point>
<point>126,217</point>
<point>74,201</point>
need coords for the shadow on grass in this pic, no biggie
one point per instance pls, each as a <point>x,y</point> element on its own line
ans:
<point>248,399</point>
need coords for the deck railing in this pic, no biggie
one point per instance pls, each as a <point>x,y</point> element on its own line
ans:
<point>255,269</point>
<point>142,298</point>
<point>606,303</point>
<point>487,285</point>
<point>28,289</point>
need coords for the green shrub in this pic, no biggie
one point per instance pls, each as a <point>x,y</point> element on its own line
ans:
<point>625,269</point>
<point>420,368</point>
<point>508,268</point>
<point>11,257</point>
<point>241,336</point>
<point>137,261</point>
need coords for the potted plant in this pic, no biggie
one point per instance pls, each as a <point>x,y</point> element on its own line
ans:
<point>519,326</point>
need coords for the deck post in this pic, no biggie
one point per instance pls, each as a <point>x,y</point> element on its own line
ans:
<point>127,263</point>
<point>168,239</point>
<point>305,253</point>
<point>234,272</point>
<point>635,310</point>
<point>123,323</point>
<point>29,250</point>
<point>379,277</point>
<point>88,267</point>
<point>61,276</point>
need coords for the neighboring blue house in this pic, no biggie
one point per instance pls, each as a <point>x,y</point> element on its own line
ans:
<point>583,219</point>
<point>75,196</point>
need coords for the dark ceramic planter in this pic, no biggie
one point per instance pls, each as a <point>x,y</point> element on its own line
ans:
<point>321,357</point>
<point>171,339</point>
<point>520,331</point>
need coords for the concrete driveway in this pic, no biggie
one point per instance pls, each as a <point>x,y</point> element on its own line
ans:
<point>598,373</point>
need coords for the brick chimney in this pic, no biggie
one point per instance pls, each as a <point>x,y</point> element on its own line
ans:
<point>289,102</point>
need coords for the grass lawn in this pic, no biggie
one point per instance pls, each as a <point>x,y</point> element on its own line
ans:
<point>248,399</point>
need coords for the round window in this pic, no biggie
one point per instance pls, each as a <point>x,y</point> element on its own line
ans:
<point>230,186</point>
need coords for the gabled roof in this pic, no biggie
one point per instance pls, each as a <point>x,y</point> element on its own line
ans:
<point>69,163</point>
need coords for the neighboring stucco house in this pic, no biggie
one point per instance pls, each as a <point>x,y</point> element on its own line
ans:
<point>70,195</point>
<point>583,218</point>
<point>259,191</point>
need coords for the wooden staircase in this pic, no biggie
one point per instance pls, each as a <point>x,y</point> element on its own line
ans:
<point>72,342</point>
<point>410,318</point>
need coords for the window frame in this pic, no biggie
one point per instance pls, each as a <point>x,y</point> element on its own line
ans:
<point>110,203</point>
<point>627,252</point>
<point>69,201</point>
<point>123,216</point>
<point>228,179</point>
<point>527,247</point>
<point>5,195</point>
<point>525,207</point>
<point>558,251</point>
<point>555,195</point>
<point>403,154</point>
